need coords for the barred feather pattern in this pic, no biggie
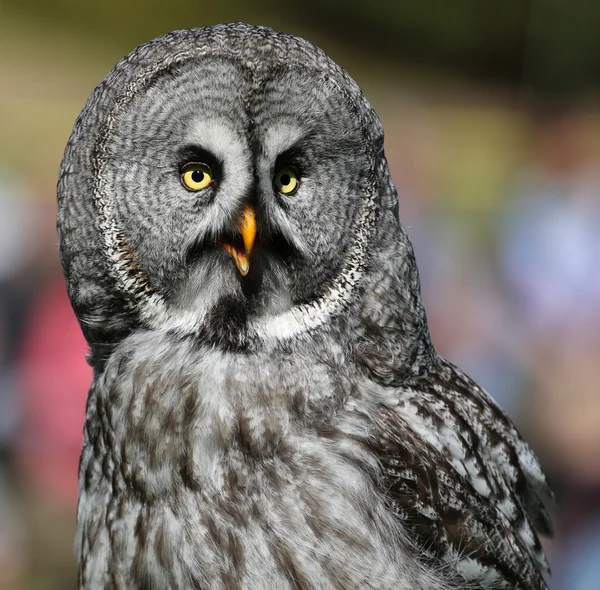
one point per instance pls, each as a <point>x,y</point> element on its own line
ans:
<point>458,474</point>
<point>190,479</point>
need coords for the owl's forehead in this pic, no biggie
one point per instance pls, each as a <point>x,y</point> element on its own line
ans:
<point>230,79</point>
<point>216,91</point>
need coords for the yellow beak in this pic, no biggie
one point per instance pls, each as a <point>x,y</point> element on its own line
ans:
<point>248,231</point>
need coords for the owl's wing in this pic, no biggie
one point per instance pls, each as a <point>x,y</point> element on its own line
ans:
<point>460,477</point>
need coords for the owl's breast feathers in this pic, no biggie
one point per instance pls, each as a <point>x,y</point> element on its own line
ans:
<point>305,468</point>
<point>206,469</point>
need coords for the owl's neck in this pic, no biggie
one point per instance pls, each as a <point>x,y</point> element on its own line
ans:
<point>172,413</point>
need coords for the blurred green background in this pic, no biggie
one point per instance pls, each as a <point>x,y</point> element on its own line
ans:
<point>493,136</point>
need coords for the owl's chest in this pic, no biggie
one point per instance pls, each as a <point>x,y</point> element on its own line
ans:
<point>304,511</point>
<point>191,427</point>
<point>224,477</point>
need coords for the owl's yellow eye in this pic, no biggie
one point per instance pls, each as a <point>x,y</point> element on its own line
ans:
<point>286,180</point>
<point>196,176</point>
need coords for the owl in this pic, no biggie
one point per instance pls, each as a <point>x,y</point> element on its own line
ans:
<point>267,409</point>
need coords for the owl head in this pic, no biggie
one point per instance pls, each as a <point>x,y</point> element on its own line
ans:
<point>227,182</point>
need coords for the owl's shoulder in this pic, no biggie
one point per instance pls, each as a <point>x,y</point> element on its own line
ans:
<point>458,475</point>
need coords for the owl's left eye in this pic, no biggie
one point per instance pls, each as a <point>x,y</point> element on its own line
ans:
<point>286,180</point>
<point>196,176</point>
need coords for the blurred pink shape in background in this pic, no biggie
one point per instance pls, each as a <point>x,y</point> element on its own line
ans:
<point>55,379</point>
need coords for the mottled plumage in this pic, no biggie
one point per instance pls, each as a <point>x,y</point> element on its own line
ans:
<point>288,425</point>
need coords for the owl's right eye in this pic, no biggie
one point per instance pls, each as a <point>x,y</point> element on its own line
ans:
<point>196,176</point>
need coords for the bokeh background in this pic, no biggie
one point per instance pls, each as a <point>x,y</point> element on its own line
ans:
<point>492,120</point>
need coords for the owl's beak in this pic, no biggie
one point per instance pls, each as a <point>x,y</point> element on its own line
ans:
<point>241,256</point>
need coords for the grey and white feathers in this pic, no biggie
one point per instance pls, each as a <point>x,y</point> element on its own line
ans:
<point>289,426</point>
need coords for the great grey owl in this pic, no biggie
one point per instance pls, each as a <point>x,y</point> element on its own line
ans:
<point>267,410</point>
